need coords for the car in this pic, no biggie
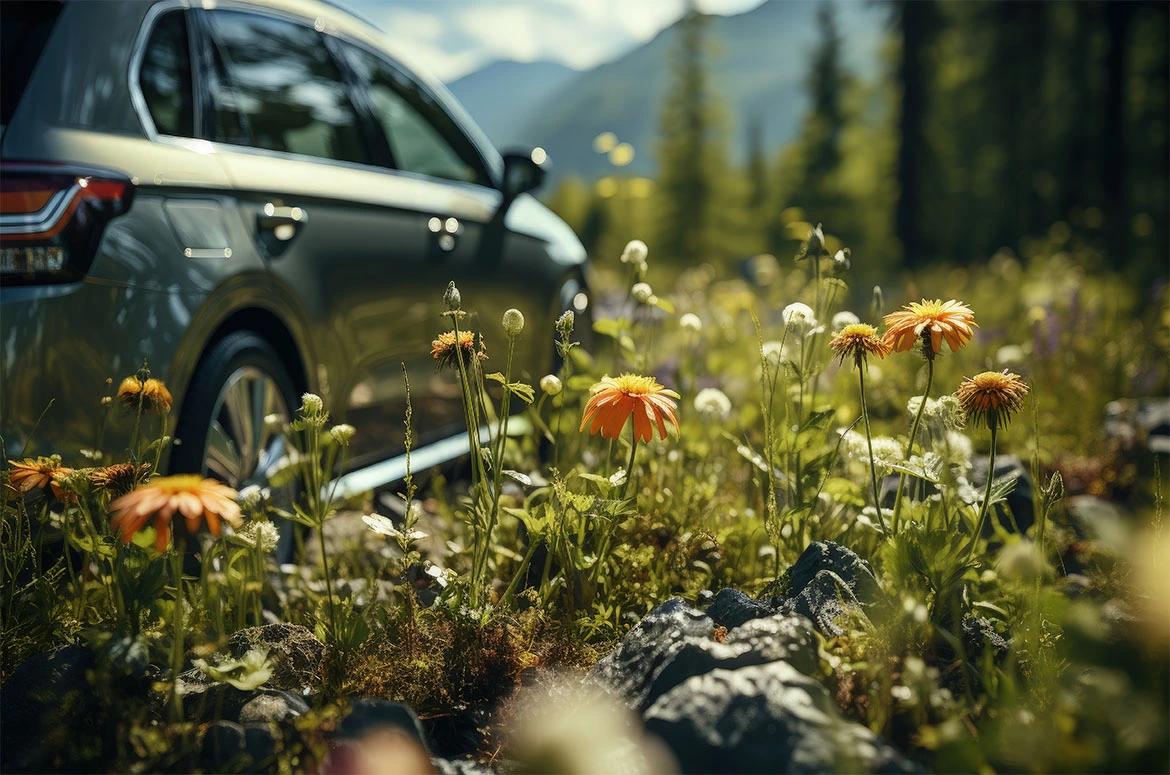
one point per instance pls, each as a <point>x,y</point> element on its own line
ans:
<point>259,200</point>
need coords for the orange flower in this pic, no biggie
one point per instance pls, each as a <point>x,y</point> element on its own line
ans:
<point>951,320</point>
<point>194,497</point>
<point>117,479</point>
<point>443,348</point>
<point>992,395</point>
<point>157,398</point>
<point>859,340</point>
<point>35,473</point>
<point>616,400</point>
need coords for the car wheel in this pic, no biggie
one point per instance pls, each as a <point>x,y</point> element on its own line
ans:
<point>230,424</point>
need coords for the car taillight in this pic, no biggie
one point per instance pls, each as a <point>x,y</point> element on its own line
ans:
<point>52,218</point>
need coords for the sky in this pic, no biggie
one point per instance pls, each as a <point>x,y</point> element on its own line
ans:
<point>450,38</point>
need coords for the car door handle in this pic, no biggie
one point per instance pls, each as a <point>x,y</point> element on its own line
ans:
<point>446,230</point>
<point>282,221</point>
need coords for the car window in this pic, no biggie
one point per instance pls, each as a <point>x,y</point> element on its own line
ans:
<point>274,86</point>
<point>165,77</point>
<point>25,26</point>
<point>422,137</point>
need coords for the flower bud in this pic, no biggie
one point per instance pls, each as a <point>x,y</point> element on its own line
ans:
<point>642,292</point>
<point>312,405</point>
<point>513,322</point>
<point>566,322</point>
<point>551,384</point>
<point>635,252</point>
<point>691,323</point>
<point>342,433</point>
<point>451,297</point>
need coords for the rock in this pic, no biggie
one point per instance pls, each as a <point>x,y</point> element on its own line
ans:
<point>978,635</point>
<point>828,556</point>
<point>368,715</point>
<point>1131,422</point>
<point>461,767</point>
<point>1099,521</point>
<point>271,708</point>
<point>731,608</point>
<point>765,718</point>
<point>780,637</point>
<point>294,650</point>
<point>825,601</point>
<point>229,747</point>
<point>1019,500</point>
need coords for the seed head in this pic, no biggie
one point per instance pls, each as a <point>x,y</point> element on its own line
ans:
<point>311,405</point>
<point>565,323</point>
<point>551,384</point>
<point>641,292</point>
<point>342,433</point>
<point>513,322</point>
<point>635,252</point>
<point>451,297</point>
<point>691,323</point>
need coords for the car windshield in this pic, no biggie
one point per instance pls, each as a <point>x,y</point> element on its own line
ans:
<point>24,28</point>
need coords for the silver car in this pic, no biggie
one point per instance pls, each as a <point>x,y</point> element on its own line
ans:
<point>260,200</point>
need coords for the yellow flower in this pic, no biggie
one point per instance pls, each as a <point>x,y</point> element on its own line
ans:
<point>949,320</point>
<point>153,391</point>
<point>35,473</point>
<point>443,348</point>
<point>992,395</point>
<point>195,498</point>
<point>630,395</point>
<point>859,340</point>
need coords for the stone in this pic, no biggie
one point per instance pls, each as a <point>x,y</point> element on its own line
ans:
<point>826,600</point>
<point>1019,500</point>
<point>271,708</point>
<point>367,715</point>
<point>731,608</point>
<point>765,718</point>
<point>295,651</point>
<point>461,767</point>
<point>828,556</point>
<point>230,747</point>
<point>780,637</point>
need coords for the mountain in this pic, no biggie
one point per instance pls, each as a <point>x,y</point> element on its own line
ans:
<point>497,93</point>
<point>759,65</point>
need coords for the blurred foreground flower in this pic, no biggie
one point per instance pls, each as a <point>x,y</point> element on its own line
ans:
<point>195,498</point>
<point>616,400</point>
<point>713,403</point>
<point>443,348</point>
<point>950,320</point>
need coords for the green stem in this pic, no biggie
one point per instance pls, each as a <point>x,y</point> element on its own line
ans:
<point>497,464</point>
<point>328,585</point>
<point>177,643</point>
<point>877,498</point>
<point>910,444</point>
<point>986,491</point>
<point>630,466</point>
<point>532,544</point>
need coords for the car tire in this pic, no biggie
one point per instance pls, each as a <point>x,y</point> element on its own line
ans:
<point>222,430</point>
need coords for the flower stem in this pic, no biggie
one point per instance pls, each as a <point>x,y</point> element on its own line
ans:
<point>630,466</point>
<point>328,585</point>
<point>986,491</point>
<point>178,651</point>
<point>533,543</point>
<point>877,498</point>
<point>910,444</point>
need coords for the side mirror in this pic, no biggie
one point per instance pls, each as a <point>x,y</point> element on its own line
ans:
<point>524,171</point>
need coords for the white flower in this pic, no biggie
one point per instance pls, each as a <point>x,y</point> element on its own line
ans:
<point>342,433</point>
<point>642,292</point>
<point>691,323</point>
<point>383,526</point>
<point>513,322</point>
<point>635,252</point>
<point>619,476</point>
<point>960,447</point>
<point>773,352</point>
<point>262,534</point>
<point>551,384</point>
<point>799,317</point>
<point>713,403</point>
<point>312,405</point>
<point>943,410</point>
<point>844,318</point>
<point>886,451</point>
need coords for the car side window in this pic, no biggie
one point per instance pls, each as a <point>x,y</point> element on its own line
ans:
<point>422,137</point>
<point>165,77</point>
<point>274,86</point>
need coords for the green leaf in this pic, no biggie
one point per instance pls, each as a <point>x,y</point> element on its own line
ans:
<point>523,390</point>
<point>247,673</point>
<point>496,376</point>
<point>665,305</point>
<point>610,327</point>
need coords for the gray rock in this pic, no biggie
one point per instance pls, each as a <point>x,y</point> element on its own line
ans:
<point>828,556</point>
<point>827,600</point>
<point>273,708</point>
<point>765,718</point>
<point>229,747</point>
<point>731,608</point>
<point>779,637</point>
<point>294,650</point>
<point>461,767</point>
<point>631,668</point>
